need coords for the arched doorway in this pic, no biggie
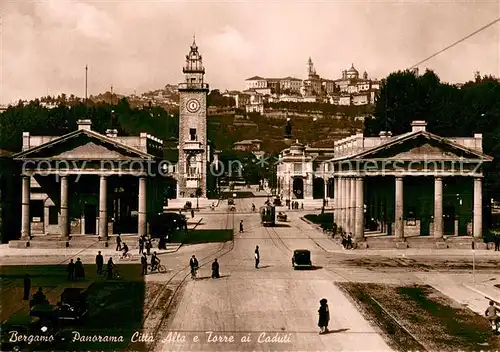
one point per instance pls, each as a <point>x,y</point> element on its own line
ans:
<point>298,187</point>
<point>318,188</point>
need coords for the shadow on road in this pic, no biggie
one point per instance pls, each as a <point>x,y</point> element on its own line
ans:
<point>209,277</point>
<point>281,225</point>
<point>335,331</point>
<point>264,266</point>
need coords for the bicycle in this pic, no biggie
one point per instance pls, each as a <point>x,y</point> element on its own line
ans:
<point>194,271</point>
<point>126,256</point>
<point>159,268</point>
<point>116,275</point>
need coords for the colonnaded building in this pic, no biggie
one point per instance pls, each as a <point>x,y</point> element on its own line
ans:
<point>411,187</point>
<point>93,184</point>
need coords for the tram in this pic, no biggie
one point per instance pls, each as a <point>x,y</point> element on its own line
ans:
<point>268,215</point>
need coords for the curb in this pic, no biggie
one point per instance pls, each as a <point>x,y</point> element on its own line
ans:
<point>497,301</point>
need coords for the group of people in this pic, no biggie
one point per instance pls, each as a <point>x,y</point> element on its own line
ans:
<point>99,261</point>
<point>155,262</point>
<point>295,205</point>
<point>193,264</point>
<point>75,270</point>
<point>347,241</point>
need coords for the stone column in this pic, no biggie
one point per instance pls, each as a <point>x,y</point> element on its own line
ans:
<point>352,206</point>
<point>142,207</point>
<point>336,216</point>
<point>477,231</point>
<point>340,195</point>
<point>359,228</point>
<point>438,207</point>
<point>63,216</point>
<point>326,189</point>
<point>343,187</point>
<point>103,209</point>
<point>347,191</point>
<point>25,209</point>
<point>398,214</point>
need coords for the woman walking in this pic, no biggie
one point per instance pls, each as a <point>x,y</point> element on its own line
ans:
<point>324,316</point>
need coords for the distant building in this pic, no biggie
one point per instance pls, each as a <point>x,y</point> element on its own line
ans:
<point>249,145</point>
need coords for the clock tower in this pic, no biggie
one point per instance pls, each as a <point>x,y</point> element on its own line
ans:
<point>193,146</point>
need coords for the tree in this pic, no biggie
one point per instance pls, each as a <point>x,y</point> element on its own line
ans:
<point>449,111</point>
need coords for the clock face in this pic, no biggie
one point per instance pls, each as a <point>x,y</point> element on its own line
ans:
<point>193,105</point>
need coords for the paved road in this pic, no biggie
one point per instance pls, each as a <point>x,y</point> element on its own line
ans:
<point>274,300</point>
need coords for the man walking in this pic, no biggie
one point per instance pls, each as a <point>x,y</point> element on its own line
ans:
<point>144,264</point>
<point>99,262</point>
<point>118,243</point>
<point>241,226</point>
<point>71,270</point>
<point>324,316</point>
<point>193,263</point>
<point>497,242</point>
<point>257,257</point>
<point>141,245</point>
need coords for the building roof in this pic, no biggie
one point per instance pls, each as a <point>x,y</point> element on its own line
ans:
<point>254,78</point>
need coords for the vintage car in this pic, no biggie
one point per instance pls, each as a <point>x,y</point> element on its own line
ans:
<point>281,216</point>
<point>277,201</point>
<point>73,307</point>
<point>301,259</point>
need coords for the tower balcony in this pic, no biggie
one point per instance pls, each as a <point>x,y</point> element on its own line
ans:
<point>188,86</point>
<point>193,146</point>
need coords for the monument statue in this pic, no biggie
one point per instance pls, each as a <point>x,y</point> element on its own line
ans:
<point>288,129</point>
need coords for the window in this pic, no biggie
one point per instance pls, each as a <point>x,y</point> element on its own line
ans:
<point>192,133</point>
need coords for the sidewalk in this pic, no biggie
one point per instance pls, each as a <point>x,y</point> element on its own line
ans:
<point>73,253</point>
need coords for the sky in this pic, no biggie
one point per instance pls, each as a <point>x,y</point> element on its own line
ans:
<point>140,45</point>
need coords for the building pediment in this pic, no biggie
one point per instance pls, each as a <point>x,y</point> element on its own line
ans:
<point>83,145</point>
<point>422,146</point>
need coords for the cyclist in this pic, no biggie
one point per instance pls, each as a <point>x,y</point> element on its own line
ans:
<point>125,250</point>
<point>193,263</point>
<point>155,262</point>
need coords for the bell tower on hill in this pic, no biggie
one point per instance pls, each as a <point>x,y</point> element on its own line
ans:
<point>193,144</point>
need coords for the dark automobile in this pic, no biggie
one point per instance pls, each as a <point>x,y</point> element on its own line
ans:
<point>73,307</point>
<point>277,201</point>
<point>301,259</point>
<point>19,325</point>
<point>166,223</point>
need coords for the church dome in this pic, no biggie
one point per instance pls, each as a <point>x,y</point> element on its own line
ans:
<point>352,70</point>
<point>297,148</point>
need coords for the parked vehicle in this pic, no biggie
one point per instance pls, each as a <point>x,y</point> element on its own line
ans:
<point>277,201</point>
<point>73,307</point>
<point>301,259</point>
<point>281,216</point>
<point>167,223</point>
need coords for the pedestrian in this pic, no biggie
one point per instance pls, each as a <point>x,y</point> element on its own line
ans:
<point>324,316</point>
<point>118,243</point>
<point>111,266</point>
<point>215,269</point>
<point>71,270</point>
<point>27,287</point>
<point>257,257</point>
<point>301,206</point>
<point>349,241</point>
<point>99,261</point>
<point>144,264</point>
<point>491,315</point>
<point>497,242</point>
<point>79,270</point>
<point>192,213</point>
<point>148,246</point>
<point>141,245</point>
<point>193,263</point>
<point>241,226</point>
